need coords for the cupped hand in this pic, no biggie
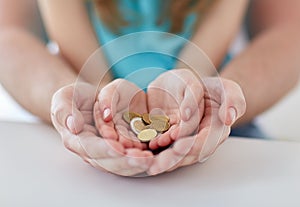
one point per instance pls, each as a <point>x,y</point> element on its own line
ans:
<point>113,100</point>
<point>180,95</point>
<point>224,104</point>
<point>72,116</point>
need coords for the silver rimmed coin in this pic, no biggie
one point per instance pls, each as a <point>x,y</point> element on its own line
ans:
<point>137,125</point>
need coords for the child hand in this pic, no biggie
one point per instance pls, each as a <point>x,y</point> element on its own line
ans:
<point>180,95</point>
<point>113,100</point>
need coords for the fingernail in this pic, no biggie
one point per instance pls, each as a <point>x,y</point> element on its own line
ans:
<point>232,114</point>
<point>70,124</point>
<point>106,113</point>
<point>188,113</point>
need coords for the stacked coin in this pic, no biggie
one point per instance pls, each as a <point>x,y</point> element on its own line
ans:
<point>147,126</point>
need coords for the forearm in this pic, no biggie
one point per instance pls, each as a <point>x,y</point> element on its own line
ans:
<point>211,40</point>
<point>32,74</point>
<point>267,69</point>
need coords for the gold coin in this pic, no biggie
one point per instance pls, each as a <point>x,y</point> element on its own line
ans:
<point>147,135</point>
<point>137,125</point>
<point>160,125</point>
<point>153,117</point>
<point>146,118</point>
<point>128,116</point>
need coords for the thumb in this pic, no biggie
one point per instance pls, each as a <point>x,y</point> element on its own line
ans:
<point>64,114</point>
<point>107,98</point>
<point>228,115</point>
<point>192,98</point>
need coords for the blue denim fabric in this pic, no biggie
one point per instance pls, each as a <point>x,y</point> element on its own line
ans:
<point>250,130</point>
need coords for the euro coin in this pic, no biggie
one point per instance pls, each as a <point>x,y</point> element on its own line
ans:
<point>128,116</point>
<point>137,125</point>
<point>153,117</point>
<point>146,118</point>
<point>147,135</point>
<point>160,125</point>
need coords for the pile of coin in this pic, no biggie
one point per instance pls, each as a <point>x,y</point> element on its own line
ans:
<point>147,126</point>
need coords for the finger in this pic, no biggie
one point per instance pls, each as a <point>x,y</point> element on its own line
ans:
<point>192,109</point>
<point>186,128</point>
<point>214,136</point>
<point>106,129</point>
<point>90,129</point>
<point>119,166</point>
<point>163,87</point>
<point>162,140</point>
<point>136,142</point>
<point>99,148</point>
<point>75,122</point>
<point>153,144</point>
<point>163,162</point>
<point>139,158</point>
<point>193,95</point>
<point>186,161</point>
<point>138,162</point>
<point>64,112</point>
<point>108,98</point>
<point>134,162</point>
<point>229,95</point>
<point>190,145</point>
<point>233,103</point>
<point>120,95</point>
<point>202,145</point>
<point>112,165</point>
<point>189,149</point>
<point>128,139</point>
<point>124,136</point>
<point>72,143</point>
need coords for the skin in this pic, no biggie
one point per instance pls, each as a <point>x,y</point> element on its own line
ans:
<point>80,135</point>
<point>272,29</point>
<point>213,130</point>
<point>49,71</point>
<point>216,116</point>
<point>183,104</point>
<point>111,125</point>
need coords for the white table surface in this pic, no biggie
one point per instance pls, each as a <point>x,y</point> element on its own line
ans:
<point>36,170</point>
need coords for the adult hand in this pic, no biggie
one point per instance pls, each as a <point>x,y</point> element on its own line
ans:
<point>72,116</point>
<point>180,95</point>
<point>224,104</point>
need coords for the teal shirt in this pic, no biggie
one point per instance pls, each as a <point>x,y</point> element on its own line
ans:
<point>142,50</point>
